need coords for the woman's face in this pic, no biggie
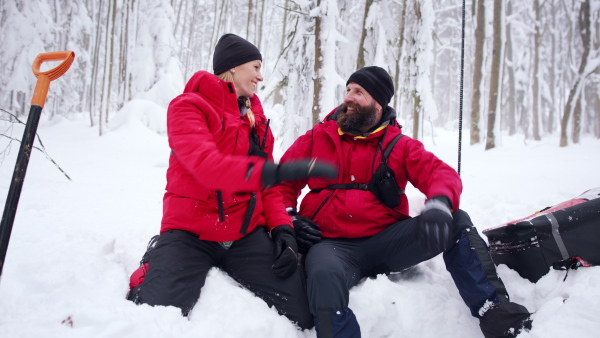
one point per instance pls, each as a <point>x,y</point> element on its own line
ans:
<point>246,76</point>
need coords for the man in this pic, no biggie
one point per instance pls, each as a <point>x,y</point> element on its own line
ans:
<point>362,216</point>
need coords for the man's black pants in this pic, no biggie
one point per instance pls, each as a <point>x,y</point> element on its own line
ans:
<point>335,265</point>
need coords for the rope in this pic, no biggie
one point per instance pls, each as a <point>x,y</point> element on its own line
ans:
<point>462,72</point>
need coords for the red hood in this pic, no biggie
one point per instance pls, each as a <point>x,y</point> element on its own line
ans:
<point>210,85</point>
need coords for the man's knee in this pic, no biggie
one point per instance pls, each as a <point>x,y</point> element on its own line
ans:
<point>461,220</point>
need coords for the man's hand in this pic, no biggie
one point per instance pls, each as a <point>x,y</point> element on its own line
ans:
<point>436,228</point>
<point>307,231</point>
<point>285,251</point>
<point>274,174</point>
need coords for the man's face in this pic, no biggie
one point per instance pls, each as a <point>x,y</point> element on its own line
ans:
<point>359,110</point>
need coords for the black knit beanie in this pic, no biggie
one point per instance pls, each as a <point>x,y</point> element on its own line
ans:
<point>232,51</point>
<point>376,81</point>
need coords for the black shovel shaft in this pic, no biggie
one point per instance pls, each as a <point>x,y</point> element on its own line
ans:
<point>16,185</point>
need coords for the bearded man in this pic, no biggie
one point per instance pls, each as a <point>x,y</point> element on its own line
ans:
<point>359,226</point>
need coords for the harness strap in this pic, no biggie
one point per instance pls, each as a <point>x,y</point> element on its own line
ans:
<point>248,215</point>
<point>220,206</point>
<point>359,186</point>
<point>388,150</point>
<point>362,186</point>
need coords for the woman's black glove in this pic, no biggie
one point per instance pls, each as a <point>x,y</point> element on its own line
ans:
<point>307,231</point>
<point>286,259</point>
<point>436,228</point>
<point>274,174</point>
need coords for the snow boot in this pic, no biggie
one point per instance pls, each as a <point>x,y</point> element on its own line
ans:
<point>505,320</point>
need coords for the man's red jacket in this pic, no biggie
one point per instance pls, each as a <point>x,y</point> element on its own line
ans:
<point>353,213</point>
<point>209,152</point>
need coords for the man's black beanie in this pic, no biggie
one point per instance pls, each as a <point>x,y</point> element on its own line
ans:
<point>376,81</point>
<point>232,51</point>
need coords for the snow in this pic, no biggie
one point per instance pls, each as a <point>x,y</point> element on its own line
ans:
<point>75,243</point>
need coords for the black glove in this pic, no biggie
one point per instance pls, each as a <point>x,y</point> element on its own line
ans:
<point>273,174</point>
<point>285,250</point>
<point>436,228</point>
<point>307,231</point>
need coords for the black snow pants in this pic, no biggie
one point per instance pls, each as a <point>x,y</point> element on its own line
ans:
<point>179,262</point>
<point>335,265</point>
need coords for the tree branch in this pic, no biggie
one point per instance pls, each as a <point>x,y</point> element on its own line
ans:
<point>42,149</point>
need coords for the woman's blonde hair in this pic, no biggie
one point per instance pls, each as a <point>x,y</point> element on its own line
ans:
<point>228,77</point>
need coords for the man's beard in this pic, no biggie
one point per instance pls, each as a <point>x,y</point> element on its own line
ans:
<point>362,117</point>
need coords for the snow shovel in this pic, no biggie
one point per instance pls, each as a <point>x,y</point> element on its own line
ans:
<point>37,104</point>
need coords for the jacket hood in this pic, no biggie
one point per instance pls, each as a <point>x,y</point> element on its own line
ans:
<point>211,88</point>
<point>202,80</point>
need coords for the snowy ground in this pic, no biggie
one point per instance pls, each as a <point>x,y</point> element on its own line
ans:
<point>75,243</point>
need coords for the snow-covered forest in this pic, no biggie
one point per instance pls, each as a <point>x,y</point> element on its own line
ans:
<point>530,67</point>
<point>531,91</point>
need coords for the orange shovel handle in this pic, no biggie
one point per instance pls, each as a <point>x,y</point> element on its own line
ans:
<point>44,78</point>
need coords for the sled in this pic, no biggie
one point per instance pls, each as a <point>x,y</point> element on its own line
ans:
<point>563,236</point>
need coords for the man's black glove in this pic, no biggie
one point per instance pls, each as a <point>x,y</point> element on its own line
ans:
<point>436,228</point>
<point>307,231</point>
<point>286,259</point>
<point>273,174</point>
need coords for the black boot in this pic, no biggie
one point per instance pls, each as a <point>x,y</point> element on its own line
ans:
<point>505,320</point>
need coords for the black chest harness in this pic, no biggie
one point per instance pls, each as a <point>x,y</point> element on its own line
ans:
<point>383,183</point>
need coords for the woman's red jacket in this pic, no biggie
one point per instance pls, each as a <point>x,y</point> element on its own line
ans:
<point>209,153</point>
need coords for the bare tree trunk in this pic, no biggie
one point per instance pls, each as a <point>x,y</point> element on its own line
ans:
<point>360,61</point>
<point>112,59</point>
<point>95,64</point>
<point>417,109</point>
<point>478,72</point>
<point>260,25</point>
<point>585,30</point>
<point>218,13</point>
<point>191,31</point>
<point>278,92</point>
<point>537,41</point>
<point>597,110</point>
<point>103,90</point>
<point>510,69</point>
<point>577,119</point>
<point>597,91</point>
<point>416,115</point>
<point>178,17</point>
<point>401,27</point>
<point>318,77</point>
<point>249,19</point>
<point>283,29</point>
<point>494,75</point>
<point>134,12</point>
<point>122,75</point>
<point>552,70</point>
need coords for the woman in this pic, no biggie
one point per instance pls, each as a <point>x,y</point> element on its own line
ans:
<point>219,209</point>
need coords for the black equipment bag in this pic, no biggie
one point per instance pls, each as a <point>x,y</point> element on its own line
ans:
<point>564,236</point>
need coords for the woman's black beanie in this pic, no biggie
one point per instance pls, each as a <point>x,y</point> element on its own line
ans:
<point>232,51</point>
<point>376,81</point>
